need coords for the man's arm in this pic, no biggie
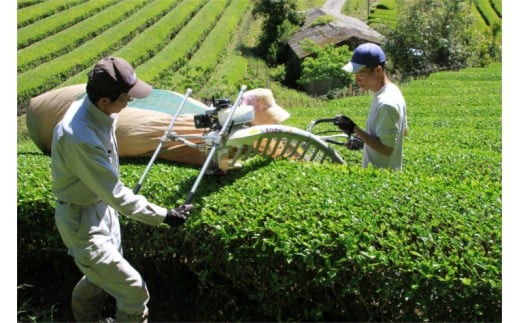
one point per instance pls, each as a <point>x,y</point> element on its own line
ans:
<point>90,164</point>
<point>386,128</point>
<point>348,126</point>
<point>373,142</point>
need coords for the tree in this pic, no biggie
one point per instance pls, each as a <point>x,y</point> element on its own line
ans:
<point>434,33</point>
<point>280,20</point>
<point>325,63</point>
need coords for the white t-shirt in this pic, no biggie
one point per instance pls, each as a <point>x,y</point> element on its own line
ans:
<point>386,120</point>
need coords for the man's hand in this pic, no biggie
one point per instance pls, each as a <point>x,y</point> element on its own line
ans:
<point>344,123</point>
<point>355,143</point>
<point>176,217</point>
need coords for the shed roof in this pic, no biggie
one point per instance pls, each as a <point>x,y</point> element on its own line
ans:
<point>340,30</point>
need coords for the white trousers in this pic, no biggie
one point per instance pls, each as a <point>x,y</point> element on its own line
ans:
<point>114,275</point>
<point>92,235</point>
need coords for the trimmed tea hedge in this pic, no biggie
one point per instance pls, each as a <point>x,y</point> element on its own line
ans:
<point>57,22</point>
<point>70,38</point>
<point>230,71</point>
<point>185,43</point>
<point>386,4</point>
<point>384,12</point>
<point>356,8</point>
<point>216,41</point>
<point>156,37</point>
<point>48,75</point>
<point>152,39</point>
<point>201,65</point>
<point>488,12</point>
<point>30,12</point>
<point>497,6</point>
<point>26,3</point>
<point>294,241</point>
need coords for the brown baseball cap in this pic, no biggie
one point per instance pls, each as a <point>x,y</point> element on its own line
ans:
<point>115,73</point>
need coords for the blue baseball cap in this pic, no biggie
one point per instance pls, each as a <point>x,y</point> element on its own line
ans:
<point>367,54</point>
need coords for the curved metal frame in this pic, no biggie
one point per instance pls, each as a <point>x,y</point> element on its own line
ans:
<point>242,141</point>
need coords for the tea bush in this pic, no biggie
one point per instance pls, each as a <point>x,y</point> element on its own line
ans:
<point>176,53</point>
<point>292,241</point>
<point>71,38</point>
<point>152,39</point>
<point>488,12</point>
<point>57,22</point>
<point>202,64</point>
<point>41,10</point>
<point>356,8</point>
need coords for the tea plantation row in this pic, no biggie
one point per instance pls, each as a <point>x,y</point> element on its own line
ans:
<point>59,41</point>
<point>487,13</point>
<point>293,241</point>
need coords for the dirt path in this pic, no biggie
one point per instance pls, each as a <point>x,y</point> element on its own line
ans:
<point>333,6</point>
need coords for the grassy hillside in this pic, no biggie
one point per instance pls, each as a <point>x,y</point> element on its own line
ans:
<point>59,41</point>
<point>381,14</point>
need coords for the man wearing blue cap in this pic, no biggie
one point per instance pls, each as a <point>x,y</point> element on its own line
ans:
<point>387,123</point>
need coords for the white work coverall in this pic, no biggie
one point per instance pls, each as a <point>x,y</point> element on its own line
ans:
<point>85,172</point>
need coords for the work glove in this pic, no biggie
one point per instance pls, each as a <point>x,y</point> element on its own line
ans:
<point>176,217</point>
<point>355,143</point>
<point>344,123</point>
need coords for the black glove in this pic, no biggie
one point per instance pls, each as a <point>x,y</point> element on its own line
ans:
<point>344,123</point>
<point>355,143</point>
<point>176,217</point>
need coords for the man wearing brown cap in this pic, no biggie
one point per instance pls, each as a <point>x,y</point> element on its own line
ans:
<point>85,172</point>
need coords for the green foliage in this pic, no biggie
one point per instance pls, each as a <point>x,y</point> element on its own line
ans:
<point>281,240</point>
<point>488,12</point>
<point>196,72</point>
<point>432,34</point>
<point>304,243</point>
<point>151,40</point>
<point>325,63</point>
<point>70,38</point>
<point>233,69</point>
<point>497,6</point>
<point>227,78</point>
<point>162,65</point>
<point>45,76</point>
<point>386,4</point>
<point>383,16</point>
<point>215,43</point>
<point>57,22</point>
<point>479,20</point>
<point>357,8</point>
<point>172,33</point>
<point>26,3</point>
<point>293,241</point>
<point>32,11</point>
<point>35,204</point>
<point>26,313</point>
<point>322,20</point>
<point>277,73</point>
<point>280,20</point>
<point>302,5</point>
